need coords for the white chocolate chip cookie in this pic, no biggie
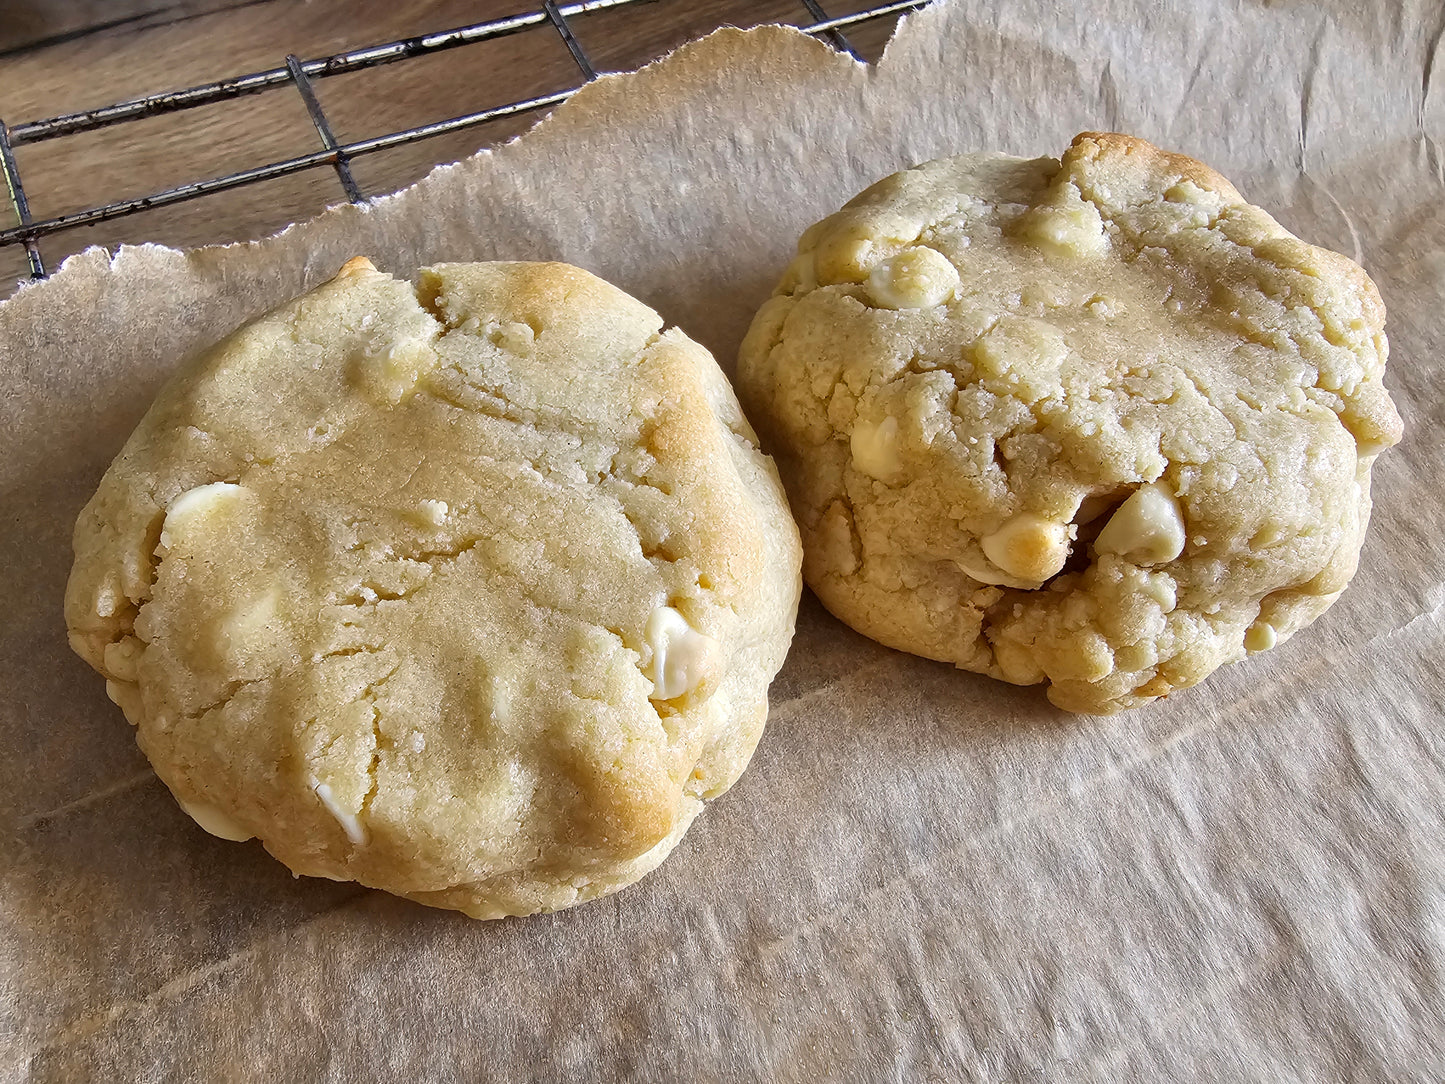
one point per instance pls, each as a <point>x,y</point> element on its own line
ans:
<point>1094,421</point>
<point>471,591</point>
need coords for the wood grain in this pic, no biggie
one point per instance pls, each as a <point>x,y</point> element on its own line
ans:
<point>184,42</point>
<point>31,23</point>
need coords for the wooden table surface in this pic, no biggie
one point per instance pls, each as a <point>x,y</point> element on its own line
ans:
<point>58,56</point>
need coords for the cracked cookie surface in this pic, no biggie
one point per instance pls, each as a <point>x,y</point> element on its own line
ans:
<point>470,590</point>
<point>1092,421</point>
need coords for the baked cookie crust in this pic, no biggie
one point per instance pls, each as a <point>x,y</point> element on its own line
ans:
<point>1093,421</point>
<point>470,590</point>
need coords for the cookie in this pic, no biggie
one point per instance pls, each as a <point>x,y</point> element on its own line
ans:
<point>1092,421</point>
<point>470,590</point>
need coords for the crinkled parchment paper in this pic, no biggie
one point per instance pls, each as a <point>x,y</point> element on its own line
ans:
<point>925,874</point>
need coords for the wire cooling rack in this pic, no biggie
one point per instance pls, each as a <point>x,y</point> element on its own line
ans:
<point>298,74</point>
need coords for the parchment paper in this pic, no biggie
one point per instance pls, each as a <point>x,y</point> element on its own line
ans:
<point>925,874</point>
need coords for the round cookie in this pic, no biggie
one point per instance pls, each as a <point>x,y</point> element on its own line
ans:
<point>1094,421</point>
<point>470,590</point>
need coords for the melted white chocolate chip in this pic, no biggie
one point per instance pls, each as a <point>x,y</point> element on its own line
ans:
<point>1147,529</point>
<point>875,448</point>
<point>682,657</point>
<point>1261,636</point>
<point>214,821</point>
<point>431,513</point>
<point>916,278</point>
<point>388,368</point>
<point>195,503</point>
<point>1029,547</point>
<point>354,829</point>
<point>1069,227</point>
<point>251,624</point>
<point>984,572</point>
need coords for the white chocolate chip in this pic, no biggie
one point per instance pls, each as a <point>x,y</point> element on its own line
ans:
<point>1029,547</point>
<point>682,657</point>
<point>1189,192</point>
<point>388,369</point>
<point>916,278</point>
<point>401,364</point>
<point>515,337</point>
<point>214,821</point>
<point>431,513</point>
<point>1261,636</point>
<point>250,625</point>
<point>194,503</point>
<point>875,448</point>
<point>321,433</point>
<point>499,702</point>
<point>354,829</point>
<point>1148,528</point>
<point>108,599</point>
<point>984,572</point>
<point>1071,227</point>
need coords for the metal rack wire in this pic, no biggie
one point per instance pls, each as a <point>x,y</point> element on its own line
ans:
<point>299,74</point>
